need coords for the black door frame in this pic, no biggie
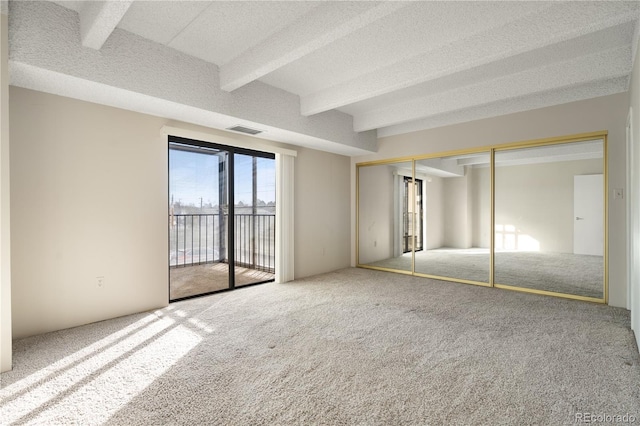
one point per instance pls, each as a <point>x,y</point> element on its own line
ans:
<point>408,223</point>
<point>231,150</point>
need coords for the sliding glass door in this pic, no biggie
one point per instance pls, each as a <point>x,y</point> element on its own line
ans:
<point>221,218</point>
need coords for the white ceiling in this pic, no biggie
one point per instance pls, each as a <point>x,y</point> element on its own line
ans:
<point>394,67</point>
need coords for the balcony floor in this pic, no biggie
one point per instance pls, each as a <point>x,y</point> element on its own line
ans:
<point>188,281</point>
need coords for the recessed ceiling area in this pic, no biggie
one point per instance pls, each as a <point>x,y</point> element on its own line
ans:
<point>331,75</point>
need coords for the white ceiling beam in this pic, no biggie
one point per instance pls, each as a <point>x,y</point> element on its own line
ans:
<point>565,152</point>
<point>474,160</point>
<point>440,167</point>
<point>581,46</point>
<point>612,63</point>
<point>98,19</point>
<point>557,23</point>
<point>166,83</point>
<point>325,24</point>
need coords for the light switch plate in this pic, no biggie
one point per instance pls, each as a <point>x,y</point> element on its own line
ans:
<point>618,194</point>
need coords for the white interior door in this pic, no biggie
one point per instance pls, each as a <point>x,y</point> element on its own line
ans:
<point>588,212</point>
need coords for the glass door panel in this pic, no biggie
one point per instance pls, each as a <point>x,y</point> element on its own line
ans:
<point>198,217</point>
<point>255,219</point>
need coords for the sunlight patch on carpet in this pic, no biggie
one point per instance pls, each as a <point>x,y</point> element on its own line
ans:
<point>76,357</point>
<point>99,386</point>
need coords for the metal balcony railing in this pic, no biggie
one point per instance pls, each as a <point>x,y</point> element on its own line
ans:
<point>197,239</point>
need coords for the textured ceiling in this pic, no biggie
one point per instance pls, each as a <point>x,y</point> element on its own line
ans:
<point>394,67</point>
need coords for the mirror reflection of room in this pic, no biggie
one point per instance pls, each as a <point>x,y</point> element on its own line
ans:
<point>386,216</point>
<point>549,218</point>
<point>432,217</point>
<point>442,216</point>
<point>457,222</point>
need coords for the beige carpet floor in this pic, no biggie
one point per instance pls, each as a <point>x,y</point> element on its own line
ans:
<point>352,347</point>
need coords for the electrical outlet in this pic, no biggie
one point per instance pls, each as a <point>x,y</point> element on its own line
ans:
<point>100,281</point>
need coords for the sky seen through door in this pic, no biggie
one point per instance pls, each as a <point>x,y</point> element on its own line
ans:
<point>195,179</point>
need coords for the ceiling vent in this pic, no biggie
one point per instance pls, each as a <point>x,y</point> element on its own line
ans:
<point>243,129</point>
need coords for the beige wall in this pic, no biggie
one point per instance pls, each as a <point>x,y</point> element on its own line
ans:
<point>456,208</point>
<point>434,213</point>
<point>458,211</point>
<point>321,212</point>
<point>5,229</point>
<point>480,188</point>
<point>524,199</point>
<point>604,113</point>
<point>376,213</point>
<point>538,200</point>
<point>447,225</point>
<point>89,198</point>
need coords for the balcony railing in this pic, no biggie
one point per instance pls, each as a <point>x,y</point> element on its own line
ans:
<point>197,239</point>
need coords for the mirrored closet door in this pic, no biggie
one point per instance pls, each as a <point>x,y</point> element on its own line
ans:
<point>456,194</point>
<point>526,216</point>
<point>549,218</point>
<point>387,214</point>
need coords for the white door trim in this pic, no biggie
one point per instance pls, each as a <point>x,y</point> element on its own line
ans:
<point>285,215</point>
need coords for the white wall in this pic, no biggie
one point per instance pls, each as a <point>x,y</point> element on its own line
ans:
<point>89,198</point>
<point>635,191</point>
<point>603,113</point>
<point>5,224</point>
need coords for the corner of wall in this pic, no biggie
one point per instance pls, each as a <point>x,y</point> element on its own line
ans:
<point>634,189</point>
<point>5,230</point>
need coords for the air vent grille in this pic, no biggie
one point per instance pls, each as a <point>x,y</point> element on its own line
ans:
<point>243,129</point>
